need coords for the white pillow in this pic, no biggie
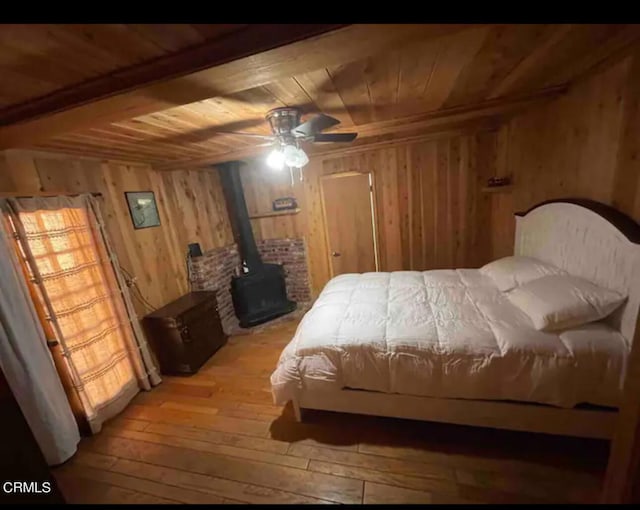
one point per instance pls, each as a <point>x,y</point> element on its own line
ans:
<point>510,272</point>
<point>564,301</point>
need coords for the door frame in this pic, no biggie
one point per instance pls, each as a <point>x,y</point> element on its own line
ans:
<point>374,215</point>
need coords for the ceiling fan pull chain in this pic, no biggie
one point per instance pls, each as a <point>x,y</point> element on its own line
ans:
<point>291,174</point>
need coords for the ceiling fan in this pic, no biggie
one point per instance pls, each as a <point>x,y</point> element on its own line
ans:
<point>288,132</point>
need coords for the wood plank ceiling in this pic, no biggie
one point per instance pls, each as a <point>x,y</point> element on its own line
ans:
<point>37,60</point>
<point>424,79</point>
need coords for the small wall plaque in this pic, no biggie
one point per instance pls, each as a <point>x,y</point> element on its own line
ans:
<point>284,203</point>
<point>495,182</point>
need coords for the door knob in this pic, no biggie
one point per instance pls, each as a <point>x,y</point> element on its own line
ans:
<point>335,254</point>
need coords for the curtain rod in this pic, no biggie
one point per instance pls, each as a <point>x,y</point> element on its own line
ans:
<point>15,194</point>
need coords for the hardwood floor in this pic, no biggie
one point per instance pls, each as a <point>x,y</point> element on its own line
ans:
<point>216,437</point>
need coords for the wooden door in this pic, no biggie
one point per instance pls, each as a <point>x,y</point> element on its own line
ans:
<point>349,212</point>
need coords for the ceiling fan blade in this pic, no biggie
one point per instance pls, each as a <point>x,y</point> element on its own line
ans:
<point>335,137</point>
<point>241,133</point>
<point>316,124</point>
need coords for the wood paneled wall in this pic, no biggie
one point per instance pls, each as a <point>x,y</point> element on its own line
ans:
<point>431,212</point>
<point>190,205</point>
<point>261,185</point>
<point>584,144</point>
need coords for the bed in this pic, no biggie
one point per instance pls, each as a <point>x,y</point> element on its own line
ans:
<point>447,346</point>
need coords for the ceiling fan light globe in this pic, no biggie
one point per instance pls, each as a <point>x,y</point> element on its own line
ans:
<point>276,159</point>
<point>303,158</point>
<point>294,157</point>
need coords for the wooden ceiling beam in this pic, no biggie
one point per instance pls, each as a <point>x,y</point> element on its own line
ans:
<point>171,65</point>
<point>132,81</point>
<point>442,120</point>
<point>241,61</point>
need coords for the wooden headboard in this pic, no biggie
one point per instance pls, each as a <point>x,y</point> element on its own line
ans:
<point>590,240</point>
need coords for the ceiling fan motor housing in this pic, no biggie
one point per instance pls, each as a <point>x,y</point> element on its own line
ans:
<point>283,120</point>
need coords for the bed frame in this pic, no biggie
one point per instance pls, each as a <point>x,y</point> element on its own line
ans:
<point>583,237</point>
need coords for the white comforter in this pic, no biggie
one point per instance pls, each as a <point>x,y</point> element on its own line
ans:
<point>444,333</point>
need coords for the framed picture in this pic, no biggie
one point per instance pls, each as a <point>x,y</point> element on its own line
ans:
<point>143,209</point>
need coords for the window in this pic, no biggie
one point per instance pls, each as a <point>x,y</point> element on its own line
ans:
<point>67,257</point>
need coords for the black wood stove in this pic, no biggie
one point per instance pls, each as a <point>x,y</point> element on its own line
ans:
<point>260,294</point>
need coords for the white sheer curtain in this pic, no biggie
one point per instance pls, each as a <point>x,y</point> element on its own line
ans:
<point>87,303</point>
<point>27,363</point>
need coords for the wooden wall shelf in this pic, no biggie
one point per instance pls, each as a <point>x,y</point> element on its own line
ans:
<point>498,189</point>
<point>269,214</point>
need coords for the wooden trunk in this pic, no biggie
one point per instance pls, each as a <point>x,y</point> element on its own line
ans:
<point>185,333</point>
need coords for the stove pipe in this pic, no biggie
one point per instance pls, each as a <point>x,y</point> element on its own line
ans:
<point>239,215</point>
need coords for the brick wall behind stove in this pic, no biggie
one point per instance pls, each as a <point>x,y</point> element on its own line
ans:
<point>213,271</point>
<point>215,268</point>
<point>291,253</point>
